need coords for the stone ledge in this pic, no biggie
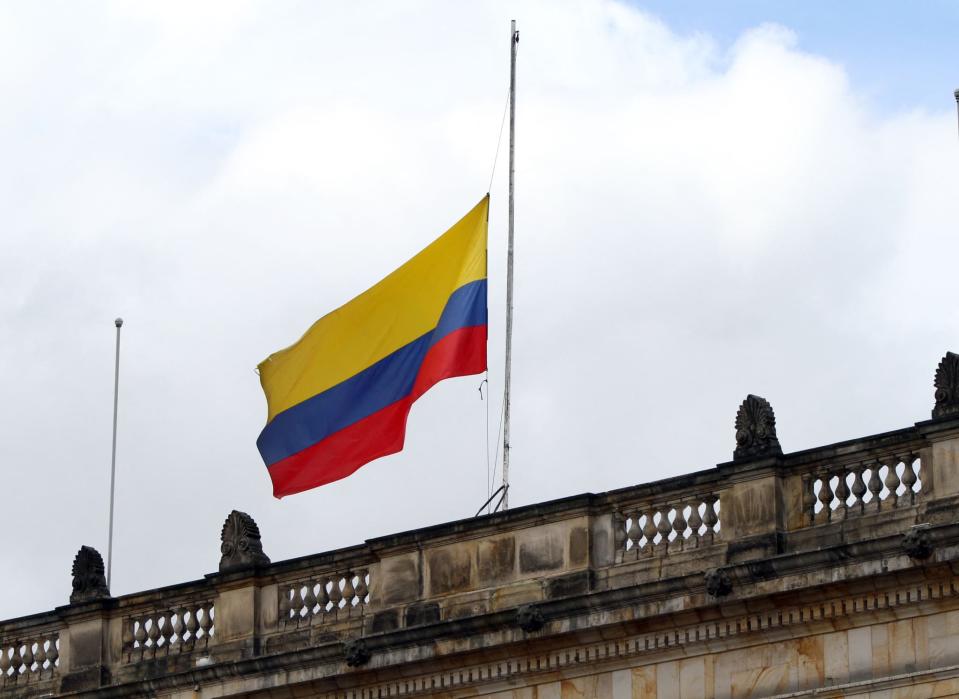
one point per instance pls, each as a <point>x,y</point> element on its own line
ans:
<point>612,617</point>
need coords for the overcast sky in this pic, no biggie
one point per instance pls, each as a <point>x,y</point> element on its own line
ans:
<point>708,204</point>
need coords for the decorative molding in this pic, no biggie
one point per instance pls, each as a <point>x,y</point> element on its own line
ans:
<point>947,386</point>
<point>583,658</point>
<point>89,581</point>
<point>240,543</point>
<point>916,542</point>
<point>717,582</point>
<point>357,653</point>
<point>529,618</point>
<point>756,429</point>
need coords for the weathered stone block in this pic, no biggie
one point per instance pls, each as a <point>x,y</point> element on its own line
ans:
<point>422,613</point>
<point>497,560</point>
<point>398,581</point>
<point>235,613</point>
<point>87,679</point>
<point>450,570</point>
<point>601,542</point>
<point>541,554</point>
<point>86,644</point>
<point>578,546</point>
<point>515,595</point>
<point>750,508</point>
<point>568,585</point>
<point>944,471</point>
<point>755,547</point>
<point>385,621</point>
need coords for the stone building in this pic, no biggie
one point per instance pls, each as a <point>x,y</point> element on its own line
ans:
<point>829,572</point>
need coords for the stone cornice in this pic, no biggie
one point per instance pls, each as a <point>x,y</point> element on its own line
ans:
<point>620,623</point>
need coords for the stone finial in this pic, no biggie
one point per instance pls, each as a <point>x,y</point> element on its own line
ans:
<point>947,386</point>
<point>717,582</point>
<point>357,652</point>
<point>756,429</point>
<point>241,546</point>
<point>916,543</point>
<point>529,618</point>
<point>89,582</point>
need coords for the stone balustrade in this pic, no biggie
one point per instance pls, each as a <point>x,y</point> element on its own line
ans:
<point>314,599</point>
<point>181,627</point>
<point>764,514</point>
<point>29,658</point>
<point>651,529</point>
<point>876,484</point>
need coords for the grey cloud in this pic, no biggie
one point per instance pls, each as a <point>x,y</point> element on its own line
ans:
<point>694,223</point>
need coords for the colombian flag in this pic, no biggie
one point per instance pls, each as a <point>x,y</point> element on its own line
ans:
<point>340,396</point>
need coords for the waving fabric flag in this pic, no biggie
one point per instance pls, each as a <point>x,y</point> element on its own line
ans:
<point>339,397</point>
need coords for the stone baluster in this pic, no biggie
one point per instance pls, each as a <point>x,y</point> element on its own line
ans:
<point>140,637</point>
<point>842,492</point>
<point>159,623</point>
<point>192,625</point>
<point>309,599</point>
<point>179,626</point>
<point>809,498</point>
<point>284,605</point>
<point>664,527</point>
<point>335,594</point>
<point>695,520</point>
<point>679,525</point>
<point>875,485</point>
<point>53,652</point>
<point>711,518</point>
<point>825,496</point>
<point>210,627</point>
<point>649,528</point>
<point>349,592</point>
<point>323,599</point>
<point>892,482</point>
<point>909,478</point>
<point>858,488</point>
<point>40,656</point>
<point>634,534</point>
<point>362,589</point>
<point>297,602</point>
<point>27,657</point>
<point>621,534</point>
<point>4,663</point>
<point>168,635</point>
<point>153,633</point>
<point>16,660</point>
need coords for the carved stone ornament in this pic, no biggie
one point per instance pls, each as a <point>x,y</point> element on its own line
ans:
<point>756,429</point>
<point>357,653</point>
<point>718,583</point>
<point>947,386</point>
<point>916,543</point>
<point>529,618</point>
<point>89,582</point>
<point>240,543</point>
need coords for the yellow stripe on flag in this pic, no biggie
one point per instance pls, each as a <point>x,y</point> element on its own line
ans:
<point>402,307</point>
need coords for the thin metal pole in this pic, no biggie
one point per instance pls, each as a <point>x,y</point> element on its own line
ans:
<point>113,461</point>
<point>514,40</point>
<point>957,100</point>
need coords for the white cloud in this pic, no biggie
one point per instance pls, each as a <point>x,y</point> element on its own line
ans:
<point>694,222</point>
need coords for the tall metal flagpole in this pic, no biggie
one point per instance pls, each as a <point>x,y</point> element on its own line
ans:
<point>113,461</point>
<point>514,40</point>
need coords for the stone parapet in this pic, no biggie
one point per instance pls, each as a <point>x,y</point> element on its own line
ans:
<point>768,546</point>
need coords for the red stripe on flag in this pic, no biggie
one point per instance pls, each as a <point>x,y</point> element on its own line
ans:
<point>461,353</point>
